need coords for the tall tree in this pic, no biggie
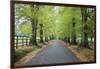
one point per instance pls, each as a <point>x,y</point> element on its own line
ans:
<point>84,14</point>
<point>73,31</point>
<point>34,21</point>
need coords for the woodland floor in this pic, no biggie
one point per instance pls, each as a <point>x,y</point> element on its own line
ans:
<point>84,54</point>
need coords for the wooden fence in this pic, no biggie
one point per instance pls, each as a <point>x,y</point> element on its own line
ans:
<point>22,41</point>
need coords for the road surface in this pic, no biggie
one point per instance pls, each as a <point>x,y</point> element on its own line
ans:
<point>54,53</point>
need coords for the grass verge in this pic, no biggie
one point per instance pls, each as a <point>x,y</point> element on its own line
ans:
<point>22,52</point>
<point>27,54</point>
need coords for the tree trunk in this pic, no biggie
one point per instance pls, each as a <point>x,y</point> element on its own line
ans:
<point>34,28</point>
<point>91,39</point>
<point>41,32</point>
<point>68,39</point>
<point>46,38</point>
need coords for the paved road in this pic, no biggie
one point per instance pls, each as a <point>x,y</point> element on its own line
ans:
<point>56,52</point>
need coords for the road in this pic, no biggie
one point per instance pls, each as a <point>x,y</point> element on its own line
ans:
<point>56,52</point>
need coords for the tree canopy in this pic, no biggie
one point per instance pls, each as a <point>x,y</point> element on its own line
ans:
<point>57,21</point>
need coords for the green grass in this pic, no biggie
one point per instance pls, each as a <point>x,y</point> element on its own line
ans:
<point>21,53</point>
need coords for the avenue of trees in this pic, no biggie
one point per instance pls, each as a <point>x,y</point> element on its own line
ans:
<point>74,25</point>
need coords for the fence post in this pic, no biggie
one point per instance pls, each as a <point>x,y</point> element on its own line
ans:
<point>26,41</point>
<point>22,42</point>
<point>16,41</point>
